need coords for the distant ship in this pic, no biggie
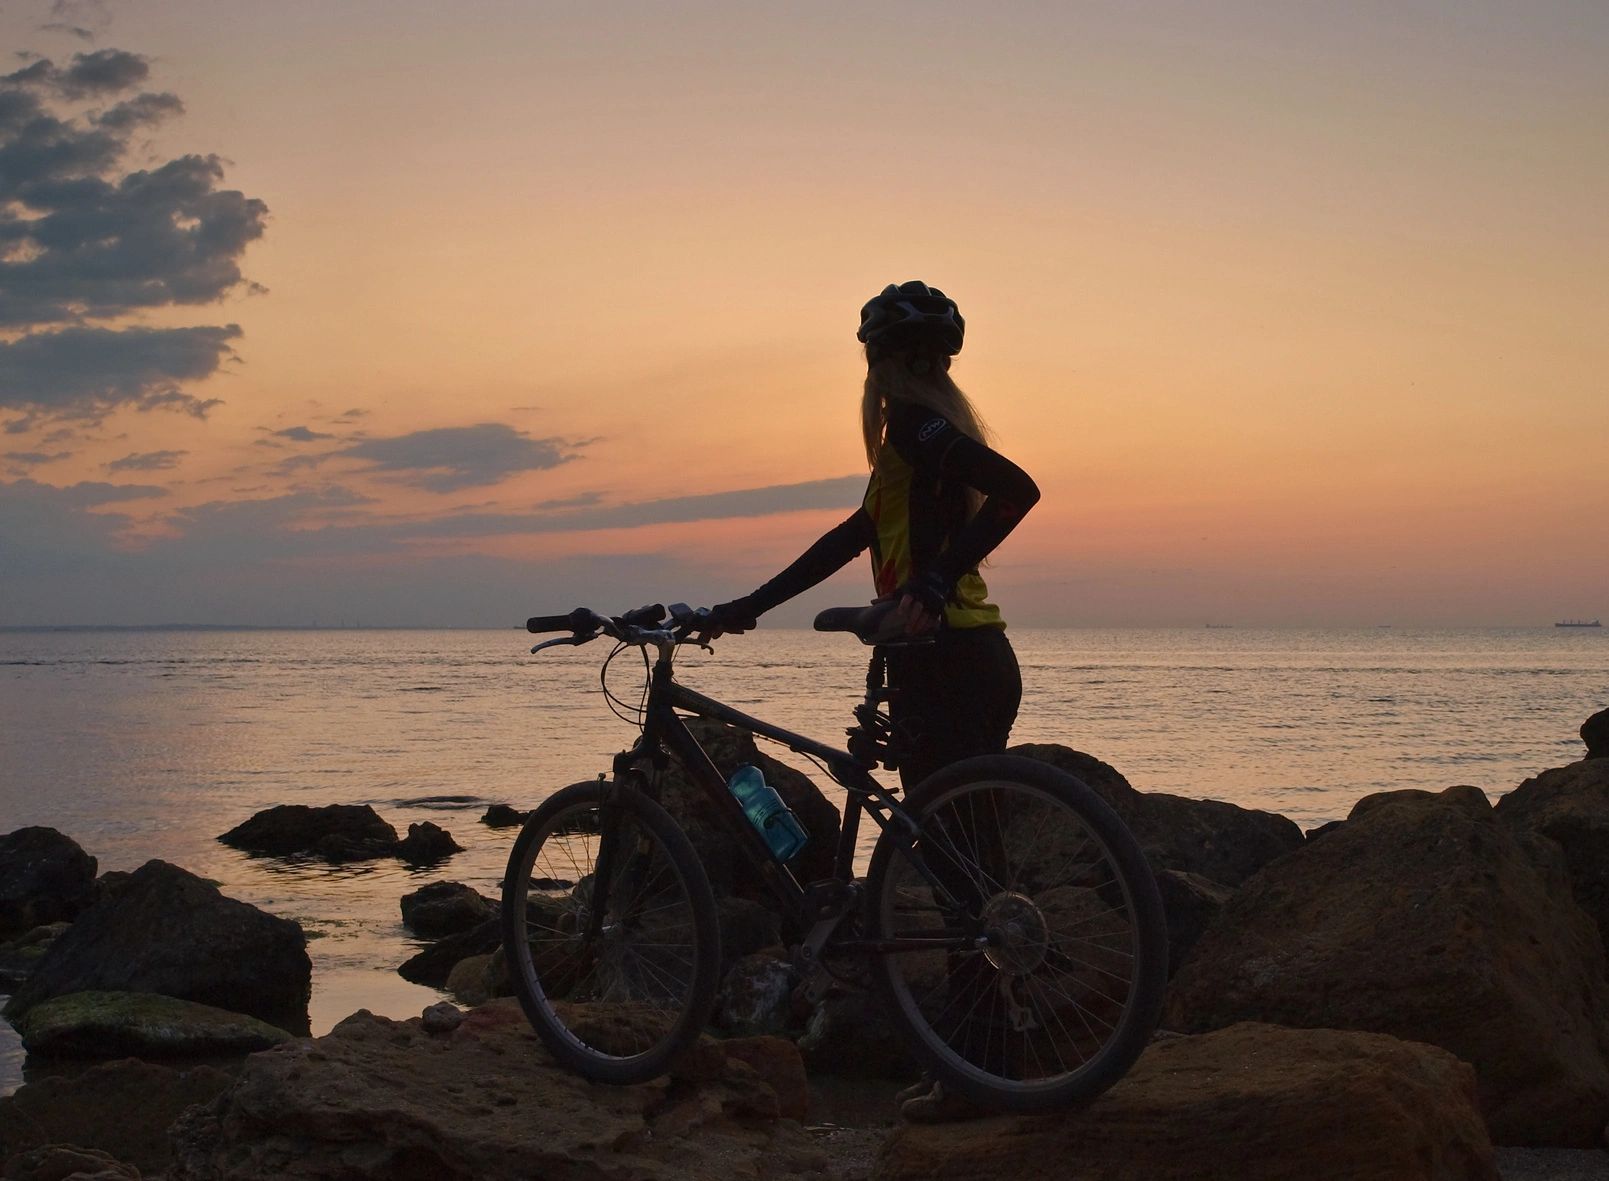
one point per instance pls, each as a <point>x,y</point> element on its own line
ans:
<point>1578,623</point>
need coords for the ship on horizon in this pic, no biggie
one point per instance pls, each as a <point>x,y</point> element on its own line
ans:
<point>1578,623</point>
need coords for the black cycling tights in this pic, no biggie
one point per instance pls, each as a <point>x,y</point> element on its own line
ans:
<point>956,698</point>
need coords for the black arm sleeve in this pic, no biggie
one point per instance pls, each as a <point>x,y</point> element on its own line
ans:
<point>830,554</point>
<point>931,443</point>
<point>1009,492</point>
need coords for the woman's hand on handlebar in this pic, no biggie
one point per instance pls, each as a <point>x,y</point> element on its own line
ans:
<point>730,619</point>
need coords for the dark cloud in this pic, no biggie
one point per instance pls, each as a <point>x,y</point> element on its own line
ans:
<point>354,413</point>
<point>96,249</point>
<point>85,372</point>
<point>147,461</point>
<point>81,240</point>
<point>88,493</point>
<point>33,458</point>
<point>583,500</point>
<point>143,110</point>
<point>78,31</point>
<point>301,434</point>
<point>449,458</point>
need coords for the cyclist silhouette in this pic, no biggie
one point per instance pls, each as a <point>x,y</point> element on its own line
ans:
<point>938,501</point>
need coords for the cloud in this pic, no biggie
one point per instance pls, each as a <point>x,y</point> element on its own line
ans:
<point>449,458</point>
<point>85,372</point>
<point>82,240</point>
<point>32,458</point>
<point>147,461</point>
<point>300,434</point>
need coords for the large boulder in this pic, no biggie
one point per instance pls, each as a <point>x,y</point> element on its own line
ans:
<point>123,1108</point>
<point>1570,805</point>
<point>1191,902</point>
<point>1595,733</point>
<point>444,908</point>
<point>1425,918</point>
<point>170,932</point>
<point>1249,1103</point>
<point>139,1025</point>
<point>44,878</point>
<point>1220,841</point>
<point>380,1099</point>
<point>334,832</point>
<point>687,801</point>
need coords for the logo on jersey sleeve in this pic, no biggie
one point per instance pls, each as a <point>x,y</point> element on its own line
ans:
<point>930,428</point>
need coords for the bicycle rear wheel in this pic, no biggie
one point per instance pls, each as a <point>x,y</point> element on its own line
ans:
<point>610,933</point>
<point>1046,961</point>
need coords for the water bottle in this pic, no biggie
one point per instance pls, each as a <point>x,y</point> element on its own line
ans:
<point>770,816</point>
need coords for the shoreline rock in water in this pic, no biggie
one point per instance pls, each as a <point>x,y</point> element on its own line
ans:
<point>169,932</point>
<point>45,877</point>
<point>338,833</point>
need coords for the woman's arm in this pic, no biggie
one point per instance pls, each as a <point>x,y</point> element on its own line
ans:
<point>830,554</point>
<point>931,443</point>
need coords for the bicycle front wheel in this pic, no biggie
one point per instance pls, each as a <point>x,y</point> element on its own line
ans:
<point>1026,953</point>
<point>610,933</point>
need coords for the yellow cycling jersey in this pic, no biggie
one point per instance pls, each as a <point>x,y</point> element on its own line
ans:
<point>914,512</point>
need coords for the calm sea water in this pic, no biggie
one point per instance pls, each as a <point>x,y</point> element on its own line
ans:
<point>149,744</point>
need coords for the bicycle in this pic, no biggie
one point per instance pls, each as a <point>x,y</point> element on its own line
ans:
<point>1008,919</point>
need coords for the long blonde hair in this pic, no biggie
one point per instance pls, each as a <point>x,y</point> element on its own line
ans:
<point>921,382</point>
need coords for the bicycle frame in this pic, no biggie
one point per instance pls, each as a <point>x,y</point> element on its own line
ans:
<point>665,731</point>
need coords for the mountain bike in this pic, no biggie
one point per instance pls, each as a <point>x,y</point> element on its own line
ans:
<point>1008,919</point>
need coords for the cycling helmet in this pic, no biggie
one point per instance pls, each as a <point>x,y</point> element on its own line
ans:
<point>912,315</point>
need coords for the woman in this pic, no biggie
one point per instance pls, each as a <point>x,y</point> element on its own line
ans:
<point>938,502</point>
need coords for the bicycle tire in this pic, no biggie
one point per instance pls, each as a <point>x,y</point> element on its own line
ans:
<point>1057,973</point>
<point>617,1000</point>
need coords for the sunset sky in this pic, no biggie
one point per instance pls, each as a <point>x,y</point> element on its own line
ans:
<point>418,313</point>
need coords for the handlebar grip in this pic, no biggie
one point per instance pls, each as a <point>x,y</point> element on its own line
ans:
<point>647,616</point>
<point>551,623</point>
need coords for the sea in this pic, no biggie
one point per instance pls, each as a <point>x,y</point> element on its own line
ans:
<point>149,743</point>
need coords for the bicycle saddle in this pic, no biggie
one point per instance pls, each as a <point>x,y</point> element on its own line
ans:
<point>877,623</point>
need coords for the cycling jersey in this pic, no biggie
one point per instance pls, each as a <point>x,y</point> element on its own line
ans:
<point>914,519</point>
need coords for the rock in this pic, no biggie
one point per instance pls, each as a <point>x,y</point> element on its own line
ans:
<point>850,1034</point>
<point>1220,841</point>
<point>746,927</point>
<point>139,1025</point>
<point>1570,805</point>
<point>1330,826</point>
<point>335,832</point>
<point>729,871</point>
<point>1191,902</point>
<point>19,957</point>
<point>1248,1103</point>
<point>379,1099</point>
<point>1425,918</point>
<point>442,1017</point>
<point>169,932</point>
<point>123,1108</point>
<point>111,882</point>
<point>426,844</point>
<point>468,980</point>
<point>1595,733</point>
<point>777,1063</point>
<point>755,995</point>
<point>44,878</point>
<point>435,963</point>
<point>503,816</point>
<point>68,1162</point>
<point>444,908</point>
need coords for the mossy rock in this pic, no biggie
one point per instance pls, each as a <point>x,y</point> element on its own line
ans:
<point>140,1025</point>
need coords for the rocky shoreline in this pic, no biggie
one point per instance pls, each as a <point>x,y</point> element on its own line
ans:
<point>1419,990</point>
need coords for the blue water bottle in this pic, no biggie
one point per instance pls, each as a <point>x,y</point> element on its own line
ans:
<point>767,812</point>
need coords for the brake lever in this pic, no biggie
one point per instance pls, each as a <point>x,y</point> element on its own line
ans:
<point>572,641</point>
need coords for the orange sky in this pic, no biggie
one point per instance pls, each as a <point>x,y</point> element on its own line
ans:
<point>1295,318</point>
